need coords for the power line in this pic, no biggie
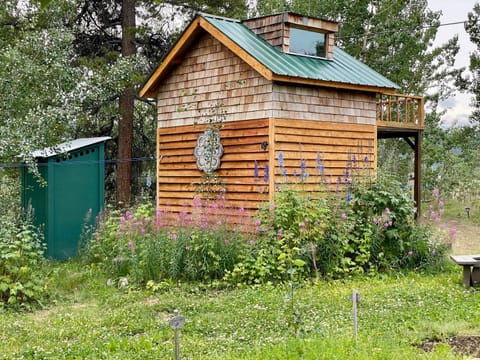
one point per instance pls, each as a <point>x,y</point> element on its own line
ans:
<point>70,162</point>
<point>396,30</point>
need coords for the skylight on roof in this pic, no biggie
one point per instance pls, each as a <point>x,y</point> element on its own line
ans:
<point>306,42</point>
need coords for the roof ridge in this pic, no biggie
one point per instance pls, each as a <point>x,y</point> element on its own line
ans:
<point>218,17</point>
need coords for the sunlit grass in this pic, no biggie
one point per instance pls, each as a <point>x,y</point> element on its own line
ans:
<point>88,319</point>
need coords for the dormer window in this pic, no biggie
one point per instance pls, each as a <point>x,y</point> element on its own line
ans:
<point>297,34</point>
<point>307,42</point>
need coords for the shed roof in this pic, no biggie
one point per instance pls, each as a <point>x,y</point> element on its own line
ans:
<point>68,146</point>
<point>343,71</point>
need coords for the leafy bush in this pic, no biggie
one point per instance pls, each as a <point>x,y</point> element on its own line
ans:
<point>21,260</point>
<point>372,229</point>
<point>141,246</point>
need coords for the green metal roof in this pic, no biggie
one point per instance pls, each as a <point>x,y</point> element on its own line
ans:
<point>343,68</point>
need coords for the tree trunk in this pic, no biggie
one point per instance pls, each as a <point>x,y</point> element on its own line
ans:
<point>126,105</point>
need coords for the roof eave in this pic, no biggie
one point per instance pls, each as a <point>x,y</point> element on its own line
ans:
<point>199,24</point>
<point>149,89</point>
<point>333,84</point>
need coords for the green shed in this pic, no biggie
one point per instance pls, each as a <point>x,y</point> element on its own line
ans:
<point>71,194</point>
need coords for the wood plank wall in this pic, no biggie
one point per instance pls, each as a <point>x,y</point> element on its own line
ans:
<point>178,176</point>
<point>322,104</point>
<point>333,146</point>
<point>211,74</point>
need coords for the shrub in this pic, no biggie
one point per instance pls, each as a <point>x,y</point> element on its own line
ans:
<point>21,261</point>
<point>141,246</point>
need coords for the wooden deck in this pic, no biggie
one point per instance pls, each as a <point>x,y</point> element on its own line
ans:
<point>399,113</point>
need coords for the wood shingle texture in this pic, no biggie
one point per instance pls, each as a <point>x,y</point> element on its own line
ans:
<point>318,115</point>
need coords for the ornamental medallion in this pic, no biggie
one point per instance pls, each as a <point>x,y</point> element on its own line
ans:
<point>208,151</point>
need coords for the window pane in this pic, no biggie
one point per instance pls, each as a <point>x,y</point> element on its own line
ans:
<point>307,42</point>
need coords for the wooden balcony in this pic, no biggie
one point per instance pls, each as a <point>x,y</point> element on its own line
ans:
<point>400,113</point>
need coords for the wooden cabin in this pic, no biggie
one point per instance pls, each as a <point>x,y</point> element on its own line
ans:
<point>287,99</point>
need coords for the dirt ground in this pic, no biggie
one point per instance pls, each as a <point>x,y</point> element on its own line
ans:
<point>466,240</point>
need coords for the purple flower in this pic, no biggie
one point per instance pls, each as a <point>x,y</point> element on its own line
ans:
<point>387,211</point>
<point>128,214</point>
<point>349,197</point>
<point>410,253</point>
<point>302,224</point>
<point>440,203</point>
<point>453,231</point>
<point>131,245</point>
<point>187,248</point>
<point>303,170</point>
<point>281,162</point>
<point>257,223</point>
<point>279,233</point>
<point>319,163</point>
<point>265,174</point>
<point>255,171</point>
<point>436,192</point>
<point>343,216</point>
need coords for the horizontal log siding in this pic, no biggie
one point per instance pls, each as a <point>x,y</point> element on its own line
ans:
<point>321,104</point>
<point>178,176</point>
<point>210,74</point>
<point>337,145</point>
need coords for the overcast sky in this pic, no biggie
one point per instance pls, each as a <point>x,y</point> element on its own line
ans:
<point>458,107</point>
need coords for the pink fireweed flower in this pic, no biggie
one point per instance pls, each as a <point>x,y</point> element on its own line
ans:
<point>257,223</point>
<point>131,245</point>
<point>241,210</point>
<point>197,201</point>
<point>437,220</point>
<point>187,248</point>
<point>302,224</point>
<point>279,233</point>
<point>128,214</point>
<point>410,253</point>
<point>436,192</point>
<point>453,231</point>
<point>390,223</point>
<point>387,211</point>
<point>251,242</point>
<point>122,220</point>
<point>441,203</point>
<point>343,216</point>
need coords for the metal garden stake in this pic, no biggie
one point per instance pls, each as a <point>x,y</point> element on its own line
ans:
<point>355,298</point>
<point>176,323</point>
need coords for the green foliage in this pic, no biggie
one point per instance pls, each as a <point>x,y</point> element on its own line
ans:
<point>21,261</point>
<point>301,236</point>
<point>93,320</point>
<point>141,246</point>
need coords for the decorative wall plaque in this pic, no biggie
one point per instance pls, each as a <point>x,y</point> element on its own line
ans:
<point>208,151</point>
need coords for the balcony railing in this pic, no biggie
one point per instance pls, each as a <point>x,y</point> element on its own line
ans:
<point>396,111</point>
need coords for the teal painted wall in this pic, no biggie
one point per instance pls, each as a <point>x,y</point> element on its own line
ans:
<point>74,189</point>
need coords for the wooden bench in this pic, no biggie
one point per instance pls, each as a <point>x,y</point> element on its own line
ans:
<point>471,268</point>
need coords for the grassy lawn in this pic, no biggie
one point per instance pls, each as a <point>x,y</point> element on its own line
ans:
<point>89,319</point>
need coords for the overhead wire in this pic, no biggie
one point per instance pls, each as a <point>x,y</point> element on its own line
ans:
<point>396,30</point>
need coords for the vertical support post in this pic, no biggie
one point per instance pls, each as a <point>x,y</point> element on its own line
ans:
<point>417,195</point>
<point>271,160</point>
<point>176,323</point>
<point>355,298</point>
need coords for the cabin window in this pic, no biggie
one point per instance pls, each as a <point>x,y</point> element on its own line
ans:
<point>307,42</point>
